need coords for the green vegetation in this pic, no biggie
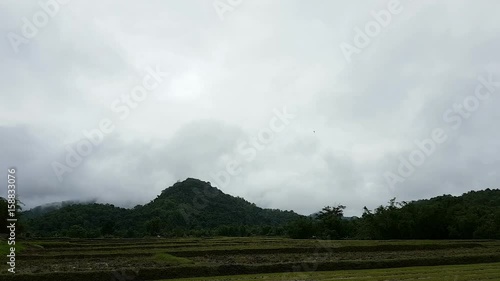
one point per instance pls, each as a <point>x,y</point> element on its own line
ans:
<point>5,248</point>
<point>474,215</point>
<point>171,260</point>
<point>475,272</point>
<point>191,207</point>
<point>196,209</point>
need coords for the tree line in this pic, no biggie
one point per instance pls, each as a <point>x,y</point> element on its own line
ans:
<point>474,215</point>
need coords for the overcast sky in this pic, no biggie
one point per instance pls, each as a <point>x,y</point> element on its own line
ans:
<point>353,109</point>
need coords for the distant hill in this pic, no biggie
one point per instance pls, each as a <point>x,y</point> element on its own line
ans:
<point>46,208</point>
<point>188,205</point>
<point>201,205</point>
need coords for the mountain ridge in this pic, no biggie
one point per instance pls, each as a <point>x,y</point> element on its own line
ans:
<point>190,204</point>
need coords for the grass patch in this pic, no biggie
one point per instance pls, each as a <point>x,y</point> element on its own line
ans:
<point>171,260</point>
<point>5,248</point>
<point>477,272</point>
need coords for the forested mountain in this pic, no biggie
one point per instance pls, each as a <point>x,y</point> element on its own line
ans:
<point>194,207</point>
<point>196,204</point>
<point>191,207</point>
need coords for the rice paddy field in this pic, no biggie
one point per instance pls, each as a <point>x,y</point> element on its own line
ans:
<point>254,258</point>
<point>431,273</point>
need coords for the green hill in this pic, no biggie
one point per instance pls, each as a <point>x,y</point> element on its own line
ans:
<point>188,207</point>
